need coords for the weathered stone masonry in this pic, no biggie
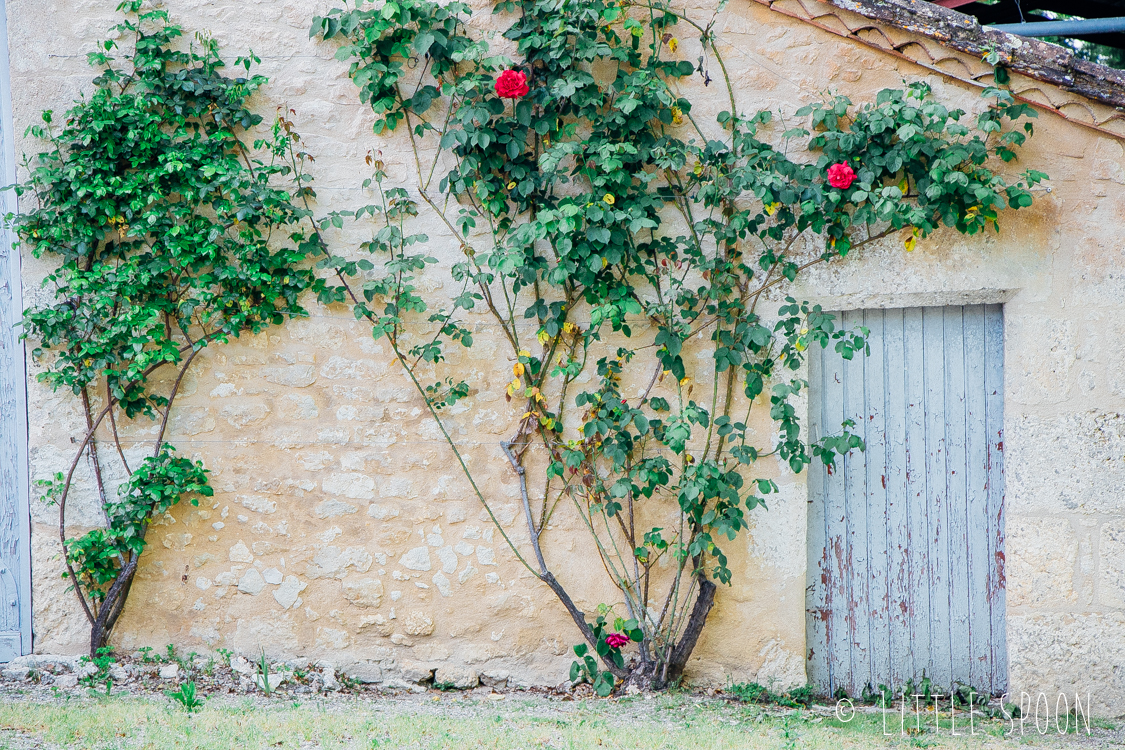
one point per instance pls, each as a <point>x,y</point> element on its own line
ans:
<point>341,530</point>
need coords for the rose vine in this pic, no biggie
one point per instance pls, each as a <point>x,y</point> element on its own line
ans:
<point>603,228</point>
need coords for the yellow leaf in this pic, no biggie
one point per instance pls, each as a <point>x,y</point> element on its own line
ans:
<point>912,240</point>
<point>517,369</point>
<point>608,198</point>
<point>800,345</point>
<point>771,208</point>
<point>677,116</point>
<point>604,262</point>
<point>523,353</point>
<point>512,185</point>
<point>698,170</point>
<point>673,45</point>
<point>527,414</point>
<point>543,337</point>
<point>904,186</point>
<point>685,381</point>
<point>570,328</point>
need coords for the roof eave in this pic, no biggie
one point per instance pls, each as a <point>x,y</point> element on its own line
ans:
<point>1031,57</point>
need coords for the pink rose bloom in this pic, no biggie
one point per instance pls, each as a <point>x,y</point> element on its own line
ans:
<point>841,176</point>
<point>512,84</point>
<point>616,640</point>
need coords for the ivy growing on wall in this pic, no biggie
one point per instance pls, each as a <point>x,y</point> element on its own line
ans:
<point>608,229</point>
<point>172,231</point>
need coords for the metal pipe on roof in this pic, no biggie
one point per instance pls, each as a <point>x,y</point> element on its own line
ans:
<point>1063,28</point>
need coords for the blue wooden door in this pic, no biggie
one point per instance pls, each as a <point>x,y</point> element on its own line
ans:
<point>906,539</point>
<point>15,528</point>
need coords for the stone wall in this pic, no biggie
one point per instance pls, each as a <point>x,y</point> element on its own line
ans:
<point>341,528</point>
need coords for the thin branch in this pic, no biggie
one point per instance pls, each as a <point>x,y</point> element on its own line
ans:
<point>532,531</point>
<point>92,452</point>
<point>113,428</point>
<point>172,398</point>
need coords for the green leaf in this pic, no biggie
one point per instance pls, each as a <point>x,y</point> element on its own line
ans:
<point>604,684</point>
<point>423,42</point>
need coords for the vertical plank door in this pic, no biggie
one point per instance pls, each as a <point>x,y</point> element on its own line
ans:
<point>906,537</point>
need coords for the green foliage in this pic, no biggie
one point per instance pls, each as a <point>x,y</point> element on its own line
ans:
<point>909,145</point>
<point>167,223</point>
<point>585,668</point>
<point>262,676</point>
<point>154,487</point>
<point>382,39</point>
<point>102,661</point>
<point>752,692</point>
<point>603,229</point>
<point>187,697</point>
<point>172,231</point>
<point>882,697</point>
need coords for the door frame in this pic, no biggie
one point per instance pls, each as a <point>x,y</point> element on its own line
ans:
<point>13,423</point>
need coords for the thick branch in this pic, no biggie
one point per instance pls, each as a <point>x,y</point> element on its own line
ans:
<point>680,654</point>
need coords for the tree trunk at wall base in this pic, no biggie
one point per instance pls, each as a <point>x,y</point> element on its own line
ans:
<point>658,676</point>
<point>682,652</point>
<point>112,606</point>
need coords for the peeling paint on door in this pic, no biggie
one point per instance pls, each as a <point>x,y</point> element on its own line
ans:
<point>906,538</point>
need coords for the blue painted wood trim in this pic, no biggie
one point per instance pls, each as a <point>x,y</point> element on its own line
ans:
<point>15,533</point>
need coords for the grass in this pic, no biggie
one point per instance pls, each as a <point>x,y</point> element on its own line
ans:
<point>457,721</point>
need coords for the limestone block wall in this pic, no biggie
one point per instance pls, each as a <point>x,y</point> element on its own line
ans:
<point>341,528</point>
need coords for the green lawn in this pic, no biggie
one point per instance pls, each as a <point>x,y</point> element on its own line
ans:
<point>40,718</point>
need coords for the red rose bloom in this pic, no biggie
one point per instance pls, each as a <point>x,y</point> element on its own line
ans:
<point>512,84</point>
<point>616,640</point>
<point>841,176</point>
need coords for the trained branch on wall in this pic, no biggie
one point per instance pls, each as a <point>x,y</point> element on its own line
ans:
<point>173,232</point>
<point>605,231</point>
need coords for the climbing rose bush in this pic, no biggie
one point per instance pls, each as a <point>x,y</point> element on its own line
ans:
<point>633,255</point>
